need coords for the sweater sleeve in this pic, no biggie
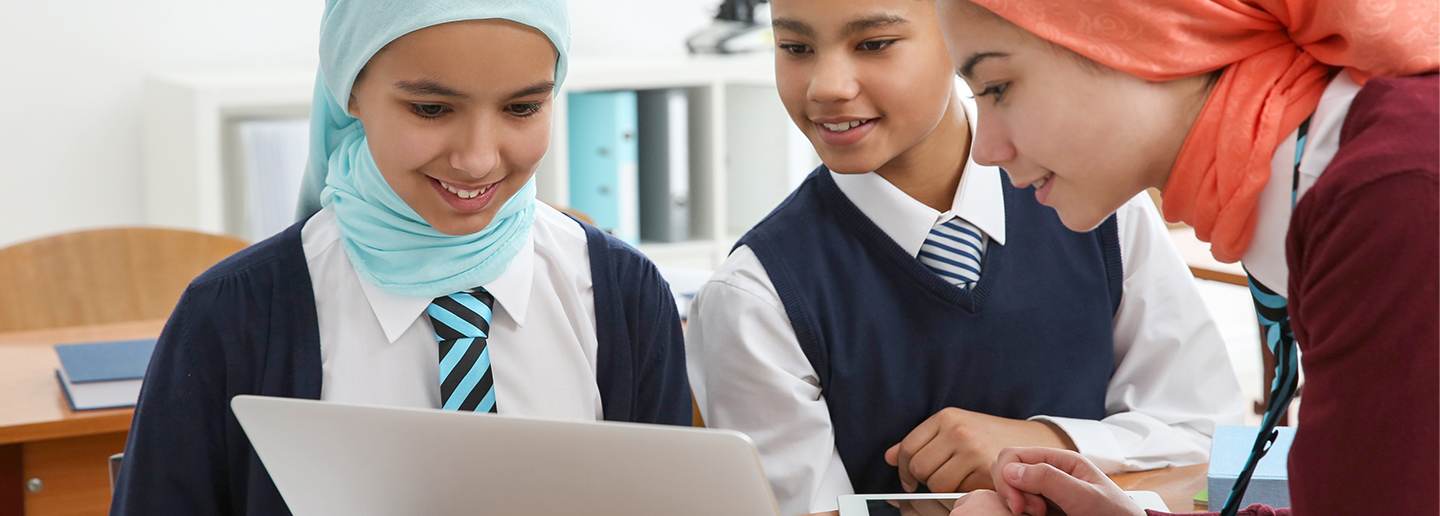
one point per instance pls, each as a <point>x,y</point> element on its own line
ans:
<point>1252,510</point>
<point>175,458</point>
<point>246,326</point>
<point>1364,256</point>
<point>662,386</point>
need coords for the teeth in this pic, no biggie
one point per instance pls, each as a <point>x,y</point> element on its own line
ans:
<point>466,194</point>
<point>844,126</point>
<point>1041,183</point>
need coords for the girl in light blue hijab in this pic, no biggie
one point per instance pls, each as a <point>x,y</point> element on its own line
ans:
<point>422,273</point>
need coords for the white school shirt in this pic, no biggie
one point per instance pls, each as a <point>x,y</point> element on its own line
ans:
<point>1171,385</point>
<point>380,349</point>
<point>1265,258</point>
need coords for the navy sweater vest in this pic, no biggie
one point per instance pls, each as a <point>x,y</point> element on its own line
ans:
<point>893,343</point>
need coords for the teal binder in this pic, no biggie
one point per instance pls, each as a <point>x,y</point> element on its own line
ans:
<point>604,169</point>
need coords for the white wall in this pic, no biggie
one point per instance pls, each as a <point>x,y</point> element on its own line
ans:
<point>71,74</point>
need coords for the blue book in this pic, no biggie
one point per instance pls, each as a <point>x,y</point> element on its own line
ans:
<point>604,161</point>
<point>100,375</point>
<point>1269,485</point>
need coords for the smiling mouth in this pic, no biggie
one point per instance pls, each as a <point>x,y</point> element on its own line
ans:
<point>466,194</point>
<point>846,126</point>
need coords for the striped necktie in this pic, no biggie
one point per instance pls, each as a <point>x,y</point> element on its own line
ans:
<point>462,325</point>
<point>953,250</point>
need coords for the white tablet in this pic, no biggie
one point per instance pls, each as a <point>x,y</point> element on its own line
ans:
<point>333,458</point>
<point>940,504</point>
<point>893,504</point>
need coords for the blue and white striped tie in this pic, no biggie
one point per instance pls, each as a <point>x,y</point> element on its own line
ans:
<point>953,250</point>
<point>462,325</point>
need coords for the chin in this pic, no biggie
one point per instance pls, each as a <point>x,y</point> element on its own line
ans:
<point>850,162</point>
<point>1081,222</point>
<point>461,225</point>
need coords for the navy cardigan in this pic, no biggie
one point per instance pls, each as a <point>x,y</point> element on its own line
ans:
<point>248,326</point>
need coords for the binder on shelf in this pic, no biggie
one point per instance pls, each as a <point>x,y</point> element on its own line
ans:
<point>664,165</point>
<point>604,168</point>
<point>100,375</point>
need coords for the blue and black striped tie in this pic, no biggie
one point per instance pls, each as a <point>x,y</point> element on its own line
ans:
<point>462,325</point>
<point>953,250</point>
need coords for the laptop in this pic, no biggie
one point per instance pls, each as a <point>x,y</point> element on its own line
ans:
<point>332,458</point>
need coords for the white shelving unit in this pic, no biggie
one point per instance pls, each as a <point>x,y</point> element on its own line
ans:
<point>188,182</point>
<point>745,154</point>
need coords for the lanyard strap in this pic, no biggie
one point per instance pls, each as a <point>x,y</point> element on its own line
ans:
<point>1272,310</point>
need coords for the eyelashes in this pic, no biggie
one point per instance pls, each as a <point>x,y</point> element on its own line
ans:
<point>525,109</point>
<point>436,111</point>
<point>794,49</point>
<point>996,91</point>
<point>430,111</point>
<point>876,45</point>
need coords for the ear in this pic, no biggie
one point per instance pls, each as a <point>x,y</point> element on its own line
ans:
<point>353,107</point>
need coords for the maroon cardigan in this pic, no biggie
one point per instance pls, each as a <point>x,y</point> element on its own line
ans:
<point>1364,257</point>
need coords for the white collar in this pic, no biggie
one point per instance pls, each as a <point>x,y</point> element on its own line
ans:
<point>979,200</point>
<point>511,291</point>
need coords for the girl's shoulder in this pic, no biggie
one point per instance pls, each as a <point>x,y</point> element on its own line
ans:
<point>565,239</point>
<point>1389,135</point>
<point>279,256</point>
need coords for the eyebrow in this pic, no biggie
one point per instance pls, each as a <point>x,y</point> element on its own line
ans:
<point>878,21</point>
<point>868,23</point>
<point>431,87</point>
<point>969,67</point>
<point>793,25</point>
<point>534,89</point>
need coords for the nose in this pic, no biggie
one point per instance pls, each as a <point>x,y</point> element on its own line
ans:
<point>991,145</point>
<point>833,80</point>
<point>476,149</point>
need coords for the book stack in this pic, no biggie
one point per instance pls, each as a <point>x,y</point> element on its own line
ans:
<point>102,375</point>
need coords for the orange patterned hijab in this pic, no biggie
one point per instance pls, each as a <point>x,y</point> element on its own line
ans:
<point>1277,54</point>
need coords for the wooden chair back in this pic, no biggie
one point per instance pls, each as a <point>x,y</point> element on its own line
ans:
<point>102,276</point>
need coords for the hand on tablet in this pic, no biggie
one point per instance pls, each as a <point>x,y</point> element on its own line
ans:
<point>925,507</point>
<point>952,450</point>
<point>981,502</point>
<point>1066,479</point>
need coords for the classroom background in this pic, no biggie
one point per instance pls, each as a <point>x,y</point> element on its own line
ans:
<point>190,114</point>
<point>102,125</point>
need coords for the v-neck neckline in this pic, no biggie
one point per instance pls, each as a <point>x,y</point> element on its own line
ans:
<point>870,234</point>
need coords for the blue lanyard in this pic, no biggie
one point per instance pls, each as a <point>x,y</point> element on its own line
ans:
<point>1301,137</point>
<point>1272,310</point>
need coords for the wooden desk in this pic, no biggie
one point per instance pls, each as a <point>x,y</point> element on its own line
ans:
<point>1177,486</point>
<point>1202,264</point>
<point>41,438</point>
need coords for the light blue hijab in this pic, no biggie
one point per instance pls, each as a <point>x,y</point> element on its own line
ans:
<point>389,244</point>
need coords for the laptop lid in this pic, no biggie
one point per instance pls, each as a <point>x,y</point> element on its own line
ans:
<point>333,458</point>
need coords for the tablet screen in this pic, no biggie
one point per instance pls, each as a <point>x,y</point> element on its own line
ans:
<point>906,507</point>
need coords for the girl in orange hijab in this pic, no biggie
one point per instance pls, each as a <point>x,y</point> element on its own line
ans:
<point>1297,136</point>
